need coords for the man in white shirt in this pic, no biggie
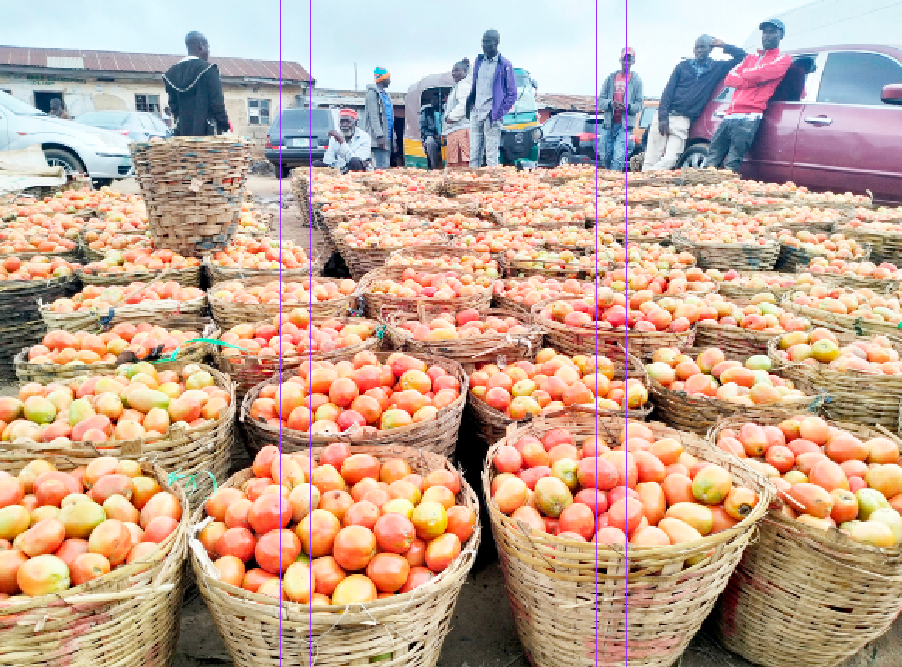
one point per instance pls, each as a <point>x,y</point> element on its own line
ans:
<point>350,149</point>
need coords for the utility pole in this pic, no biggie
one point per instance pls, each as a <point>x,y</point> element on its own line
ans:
<point>355,77</point>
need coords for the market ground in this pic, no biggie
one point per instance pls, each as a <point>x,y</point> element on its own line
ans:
<point>483,632</point>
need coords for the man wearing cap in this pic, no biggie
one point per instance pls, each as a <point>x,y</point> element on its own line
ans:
<point>755,80</point>
<point>493,94</point>
<point>349,150</point>
<point>683,100</point>
<point>621,100</point>
<point>378,118</point>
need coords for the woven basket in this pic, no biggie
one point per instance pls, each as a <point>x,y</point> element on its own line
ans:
<point>741,295</point>
<point>873,238</point>
<point>571,340</point>
<point>361,261</point>
<point>792,260</point>
<point>406,629</point>
<point>220,274</point>
<point>159,313</point>
<point>577,604</point>
<point>472,349</point>
<point>198,455</point>
<point>380,305</point>
<point>726,256</point>
<point>187,277</point>
<point>249,370</point>
<point>855,397</point>
<point>515,268</point>
<point>438,436</point>
<point>456,183</point>
<point>707,176</point>
<point>193,188</point>
<point>27,371</point>
<point>815,595</point>
<point>837,322</point>
<point>20,299</point>
<point>12,338</point>
<point>494,424</point>
<point>857,282</point>
<point>742,343</point>
<point>428,257</point>
<point>129,616</point>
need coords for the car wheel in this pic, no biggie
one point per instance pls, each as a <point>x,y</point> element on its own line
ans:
<point>564,158</point>
<point>102,182</point>
<point>694,156</point>
<point>58,157</point>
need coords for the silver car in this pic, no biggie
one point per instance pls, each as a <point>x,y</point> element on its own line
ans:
<point>136,125</point>
<point>101,154</point>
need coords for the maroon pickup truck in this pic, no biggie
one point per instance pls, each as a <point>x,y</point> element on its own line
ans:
<point>834,123</point>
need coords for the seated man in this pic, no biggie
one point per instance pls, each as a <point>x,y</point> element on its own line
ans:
<point>349,150</point>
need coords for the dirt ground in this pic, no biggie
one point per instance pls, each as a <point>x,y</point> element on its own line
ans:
<point>483,632</point>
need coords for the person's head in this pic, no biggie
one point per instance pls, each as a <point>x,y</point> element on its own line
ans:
<point>772,31</point>
<point>347,122</point>
<point>460,70</point>
<point>55,104</point>
<point>383,78</point>
<point>490,41</point>
<point>197,45</point>
<point>703,46</point>
<point>627,58</point>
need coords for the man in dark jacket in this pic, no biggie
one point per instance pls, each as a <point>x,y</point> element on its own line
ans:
<point>494,93</point>
<point>195,92</point>
<point>621,101</point>
<point>684,98</point>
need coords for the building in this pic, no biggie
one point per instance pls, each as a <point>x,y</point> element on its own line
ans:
<point>552,104</point>
<point>110,80</point>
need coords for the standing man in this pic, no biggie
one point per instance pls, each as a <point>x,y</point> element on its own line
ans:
<point>621,100</point>
<point>195,92</point>
<point>494,93</point>
<point>755,80</point>
<point>57,110</point>
<point>685,96</point>
<point>378,118</point>
<point>456,126</point>
<point>349,149</point>
<point>430,131</point>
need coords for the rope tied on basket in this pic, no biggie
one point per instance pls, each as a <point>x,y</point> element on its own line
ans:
<point>211,341</point>
<point>857,326</point>
<point>820,400</point>
<point>176,476</point>
<point>380,332</point>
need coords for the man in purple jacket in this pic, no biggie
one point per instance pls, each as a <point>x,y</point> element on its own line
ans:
<point>493,94</point>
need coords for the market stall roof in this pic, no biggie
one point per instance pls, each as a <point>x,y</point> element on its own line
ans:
<point>117,61</point>
<point>566,102</point>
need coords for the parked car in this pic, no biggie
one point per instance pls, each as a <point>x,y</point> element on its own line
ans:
<point>299,136</point>
<point>834,123</point>
<point>101,154</point>
<point>136,125</point>
<point>574,137</point>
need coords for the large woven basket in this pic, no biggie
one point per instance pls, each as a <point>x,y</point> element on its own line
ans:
<point>860,398</point>
<point>220,274</point>
<point>129,616</point>
<point>578,604</point>
<point>20,299</point>
<point>193,188</point>
<point>850,324</point>
<point>158,312</point>
<point>726,256</point>
<point>12,338</point>
<point>407,629</point>
<point>733,340</point>
<point>187,277</point>
<point>198,456</point>
<point>793,260</point>
<point>741,295</point>
<point>380,305</point>
<point>438,436</point>
<point>814,596</point>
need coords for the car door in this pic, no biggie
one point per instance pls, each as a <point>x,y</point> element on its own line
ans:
<point>848,139</point>
<point>4,129</point>
<point>548,145</point>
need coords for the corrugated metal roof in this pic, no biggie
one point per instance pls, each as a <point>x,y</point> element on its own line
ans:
<point>116,61</point>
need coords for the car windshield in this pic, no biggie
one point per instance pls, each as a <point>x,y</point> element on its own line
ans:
<point>109,120</point>
<point>18,107</point>
<point>594,124</point>
<point>299,120</point>
<point>526,98</point>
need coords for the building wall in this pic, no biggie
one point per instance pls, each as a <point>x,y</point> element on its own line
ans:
<point>81,95</point>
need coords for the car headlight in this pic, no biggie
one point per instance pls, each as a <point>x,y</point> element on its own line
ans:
<point>537,134</point>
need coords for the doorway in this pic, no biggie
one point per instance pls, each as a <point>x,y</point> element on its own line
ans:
<point>42,100</point>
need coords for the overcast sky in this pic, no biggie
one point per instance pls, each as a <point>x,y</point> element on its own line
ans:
<point>556,40</point>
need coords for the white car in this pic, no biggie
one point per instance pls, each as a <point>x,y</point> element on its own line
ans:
<point>102,154</point>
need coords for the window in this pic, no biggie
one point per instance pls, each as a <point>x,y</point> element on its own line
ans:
<point>792,87</point>
<point>147,123</point>
<point>647,114</point>
<point>299,120</point>
<point>258,112</point>
<point>150,103</point>
<point>548,126</point>
<point>857,78</point>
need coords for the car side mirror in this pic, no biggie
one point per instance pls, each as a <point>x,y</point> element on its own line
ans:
<point>892,94</point>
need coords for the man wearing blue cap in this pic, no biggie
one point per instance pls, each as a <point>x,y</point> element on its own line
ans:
<point>755,80</point>
<point>378,118</point>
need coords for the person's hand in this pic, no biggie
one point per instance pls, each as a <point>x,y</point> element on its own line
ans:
<point>664,127</point>
<point>717,43</point>
<point>337,136</point>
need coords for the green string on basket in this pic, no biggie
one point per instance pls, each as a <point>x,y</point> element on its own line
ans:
<point>212,341</point>
<point>857,326</point>
<point>380,332</point>
<point>174,477</point>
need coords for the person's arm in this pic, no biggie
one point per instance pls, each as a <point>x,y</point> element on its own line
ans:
<point>635,102</point>
<point>606,96</point>
<point>734,78</point>
<point>510,89</point>
<point>217,100</point>
<point>737,54</point>
<point>173,100</point>
<point>667,96</point>
<point>460,109</point>
<point>772,71</point>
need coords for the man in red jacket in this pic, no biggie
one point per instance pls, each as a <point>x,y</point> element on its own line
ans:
<point>755,80</point>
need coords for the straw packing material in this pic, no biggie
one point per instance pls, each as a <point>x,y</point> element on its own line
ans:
<point>578,603</point>
<point>405,629</point>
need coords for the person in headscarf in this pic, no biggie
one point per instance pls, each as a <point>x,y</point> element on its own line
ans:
<point>349,149</point>
<point>378,118</point>
<point>195,92</point>
<point>456,128</point>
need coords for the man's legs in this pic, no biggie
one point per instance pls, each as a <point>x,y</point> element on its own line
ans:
<point>477,142</point>
<point>654,149</point>
<point>618,147</point>
<point>493,142</point>
<point>433,152</point>
<point>356,164</point>
<point>675,143</point>
<point>720,143</point>
<point>381,158</point>
<point>743,135</point>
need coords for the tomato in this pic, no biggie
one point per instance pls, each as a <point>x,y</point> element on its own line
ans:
<point>162,504</point>
<point>317,531</point>
<point>253,578</point>
<point>113,540</point>
<point>11,491</point>
<point>87,567</point>
<point>109,485</point>
<point>337,502</point>
<point>210,534</point>
<point>298,582</point>
<point>394,533</point>
<point>276,550</point>
<point>42,575</point>
<point>429,520</point>
<point>45,537</point>
<point>327,573</point>
<point>71,548</point>
<point>141,552</point>
<point>354,547</point>
<point>357,466</point>
<point>441,551</point>
<point>263,461</point>
<point>237,542</point>
<point>270,511</point>
<point>159,529</point>
<point>143,489</point>
<point>10,562</point>
<point>416,578</point>
<point>363,513</point>
<point>231,570</point>
<point>443,478</point>
<point>355,589</point>
<point>416,554</point>
<point>388,571</point>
